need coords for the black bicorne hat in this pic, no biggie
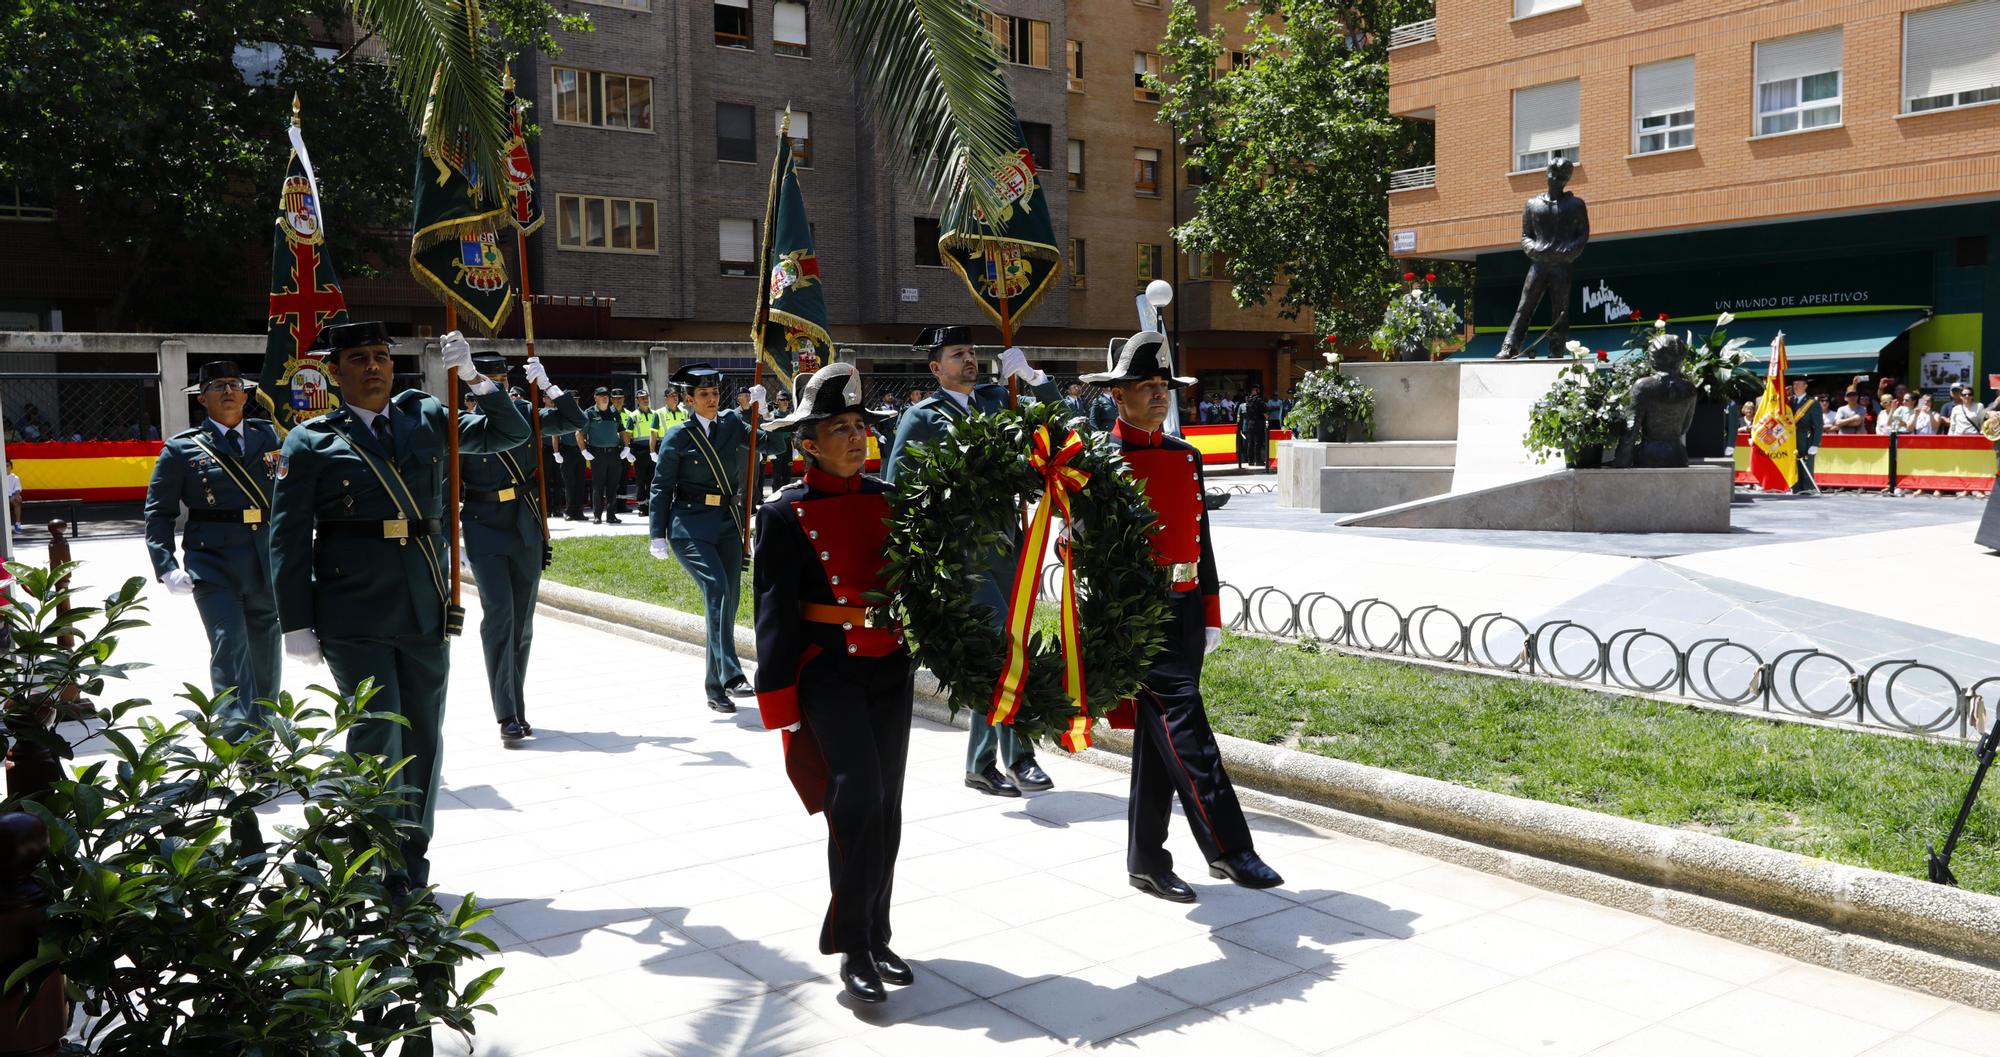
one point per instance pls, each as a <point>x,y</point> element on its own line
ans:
<point>216,370</point>
<point>1143,355</point>
<point>832,390</point>
<point>489,363</point>
<point>353,336</point>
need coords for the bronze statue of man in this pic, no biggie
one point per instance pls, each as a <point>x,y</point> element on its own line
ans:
<point>1554,228</point>
<point>1662,410</point>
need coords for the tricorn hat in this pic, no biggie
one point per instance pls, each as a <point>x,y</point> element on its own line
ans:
<point>1143,355</point>
<point>694,376</point>
<point>600,391</point>
<point>489,363</point>
<point>832,390</point>
<point>215,370</point>
<point>934,338</point>
<point>353,336</point>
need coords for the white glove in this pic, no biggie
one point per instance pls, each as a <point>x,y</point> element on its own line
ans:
<point>178,582</point>
<point>558,458</point>
<point>586,455</point>
<point>654,455</point>
<point>303,646</point>
<point>538,376</point>
<point>1814,450</point>
<point>659,549</point>
<point>457,353</point>
<point>1014,364</point>
<point>757,395</point>
<point>794,728</point>
<point>1211,640</point>
<point>626,454</point>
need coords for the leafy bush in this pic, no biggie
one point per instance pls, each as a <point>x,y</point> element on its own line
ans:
<point>1416,324</point>
<point>1328,395</point>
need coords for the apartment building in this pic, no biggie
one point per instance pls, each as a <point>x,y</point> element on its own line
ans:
<point>1828,169</point>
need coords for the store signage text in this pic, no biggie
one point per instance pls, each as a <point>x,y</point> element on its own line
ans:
<point>1744,304</point>
<point>1614,306</point>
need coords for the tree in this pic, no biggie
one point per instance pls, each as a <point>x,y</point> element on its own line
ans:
<point>1293,146</point>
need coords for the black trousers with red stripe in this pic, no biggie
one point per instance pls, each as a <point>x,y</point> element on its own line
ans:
<point>1174,752</point>
<point>858,708</point>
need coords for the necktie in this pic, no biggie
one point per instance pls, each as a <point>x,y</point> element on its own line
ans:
<point>235,442</point>
<point>384,434</point>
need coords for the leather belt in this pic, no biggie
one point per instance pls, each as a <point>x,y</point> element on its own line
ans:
<point>1181,573</point>
<point>848,616</point>
<point>692,494</point>
<point>396,529</point>
<point>505,495</point>
<point>247,516</point>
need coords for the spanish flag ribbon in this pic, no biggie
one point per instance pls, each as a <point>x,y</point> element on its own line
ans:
<point>1052,460</point>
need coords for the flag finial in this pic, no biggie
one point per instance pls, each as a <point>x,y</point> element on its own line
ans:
<point>295,110</point>
<point>507,76</point>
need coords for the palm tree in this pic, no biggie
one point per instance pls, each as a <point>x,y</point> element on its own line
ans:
<point>929,77</point>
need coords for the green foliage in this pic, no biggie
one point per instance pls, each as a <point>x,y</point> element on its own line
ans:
<point>38,668</point>
<point>1714,363</point>
<point>1293,147</point>
<point>620,565</point>
<point>1326,395</point>
<point>957,509</point>
<point>1589,405</point>
<point>1415,325</point>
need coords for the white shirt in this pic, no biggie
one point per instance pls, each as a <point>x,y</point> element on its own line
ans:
<point>963,400</point>
<point>707,425</point>
<point>368,417</point>
<point>13,485</point>
<point>222,433</point>
<point>1966,419</point>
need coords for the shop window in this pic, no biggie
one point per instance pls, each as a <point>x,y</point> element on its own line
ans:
<point>1798,82</point>
<point>1076,165</point>
<point>735,132</point>
<point>1037,136</point>
<point>1663,106</point>
<point>1077,251</point>
<point>1145,70</point>
<point>1145,171</point>
<point>925,232</point>
<point>739,247</point>
<point>732,24</point>
<point>1545,124</point>
<point>1951,56</point>
<point>1149,263</point>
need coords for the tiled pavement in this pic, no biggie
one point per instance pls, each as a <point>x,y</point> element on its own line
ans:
<point>658,888</point>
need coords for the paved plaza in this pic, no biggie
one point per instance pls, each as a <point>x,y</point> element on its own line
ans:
<point>658,890</point>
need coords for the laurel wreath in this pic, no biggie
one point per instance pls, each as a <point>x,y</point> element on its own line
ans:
<point>957,509</point>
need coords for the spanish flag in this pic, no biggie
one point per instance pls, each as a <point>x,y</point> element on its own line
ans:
<point>1774,456</point>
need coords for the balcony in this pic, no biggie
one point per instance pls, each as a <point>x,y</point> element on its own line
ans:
<point>1414,33</point>
<point>1416,179</point>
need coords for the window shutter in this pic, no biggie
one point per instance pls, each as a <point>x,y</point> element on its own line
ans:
<point>1146,154</point>
<point>1951,49</point>
<point>1524,8</point>
<point>1545,117</point>
<point>801,124</point>
<point>1801,56</point>
<point>1076,155</point>
<point>1663,87</point>
<point>732,3</point>
<point>788,22</point>
<point>739,240</point>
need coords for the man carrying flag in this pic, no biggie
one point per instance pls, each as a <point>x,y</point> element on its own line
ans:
<point>305,298</point>
<point>1774,460</point>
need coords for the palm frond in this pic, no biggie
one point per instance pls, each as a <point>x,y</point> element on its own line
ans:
<point>439,42</point>
<point>929,74</point>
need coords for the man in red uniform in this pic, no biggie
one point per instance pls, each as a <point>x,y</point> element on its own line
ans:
<point>1173,749</point>
<point>833,671</point>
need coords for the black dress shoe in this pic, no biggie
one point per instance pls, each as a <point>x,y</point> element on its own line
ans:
<point>739,687</point>
<point>861,978</point>
<point>1163,884</point>
<point>613,518</point>
<point>526,729</point>
<point>722,705</point>
<point>991,782</point>
<point>513,730</point>
<point>1246,869</point>
<point>1030,777</point>
<point>894,970</point>
<point>595,520</point>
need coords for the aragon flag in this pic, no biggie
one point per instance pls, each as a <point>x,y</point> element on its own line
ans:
<point>796,320</point>
<point>454,252</point>
<point>305,298</point>
<point>1774,456</point>
<point>1011,260</point>
<point>526,206</point>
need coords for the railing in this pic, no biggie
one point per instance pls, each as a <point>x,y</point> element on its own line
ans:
<point>1414,179</point>
<point>1414,33</point>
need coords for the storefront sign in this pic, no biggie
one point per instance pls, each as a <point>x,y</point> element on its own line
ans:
<point>1404,241</point>
<point>1603,292</point>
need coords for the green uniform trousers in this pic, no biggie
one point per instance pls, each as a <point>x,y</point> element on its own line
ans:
<point>718,568</point>
<point>411,672</point>
<point>989,743</point>
<point>508,586</point>
<point>245,647</point>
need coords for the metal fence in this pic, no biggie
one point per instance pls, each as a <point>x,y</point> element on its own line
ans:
<point>47,406</point>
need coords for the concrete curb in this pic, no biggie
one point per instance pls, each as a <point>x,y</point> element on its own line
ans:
<point>1932,938</point>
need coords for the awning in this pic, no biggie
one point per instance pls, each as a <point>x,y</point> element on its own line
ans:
<point>1815,342</point>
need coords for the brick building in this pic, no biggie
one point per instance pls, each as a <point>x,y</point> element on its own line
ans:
<point>1826,168</point>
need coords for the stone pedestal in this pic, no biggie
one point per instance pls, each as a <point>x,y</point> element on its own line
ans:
<point>1694,499</point>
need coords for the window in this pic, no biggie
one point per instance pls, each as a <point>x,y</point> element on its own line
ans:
<point>732,24</point>
<point>611,225</point>
<point>801,137</point>
<point>1798,82</point>
<point>1149,263</point>
<point>22,203</point>
<point>1545,124</point>
<point>1951,56</point>
<point>1039,145</point>
<point>1524,8</point>
<point>1076,165</point>
<point>735,132</point>
<point>605,100</point>
<point>926,233</point>
<point>1076,66</point>
<point>1076,264</point>
<point>633,5</point>
<point>1663,106</point>
<point>1145,170</point>
<point>1022,41</point>
<point>1145,65</point>
<point>1201,265</point>
<point>788,29</point>
<point>572,96</point>
<point>739,247</point>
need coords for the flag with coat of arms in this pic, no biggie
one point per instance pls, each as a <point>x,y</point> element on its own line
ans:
<point>1774,455</point>
<point>792,331</point>
<point>305,298</point>
<point>454,246</point>
<point>525,206</point>
<point>1008,261</point>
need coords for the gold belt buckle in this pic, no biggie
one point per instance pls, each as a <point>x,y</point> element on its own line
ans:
<point>398,529</point>
<point>253,516</point>
<point>506,495</point>
<point>711,500</point>
<point>1181,572</point>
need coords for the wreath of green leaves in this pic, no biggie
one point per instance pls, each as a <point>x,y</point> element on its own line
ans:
<point>957,515</point>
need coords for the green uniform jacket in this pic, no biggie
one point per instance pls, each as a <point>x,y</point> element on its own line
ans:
<point>188,475</point>
<point>350,587</point>
<point>931,417</point>
<point>603,429</point>
<point>1812,424</point>
<point>505,528</point>
<point>683,473</point>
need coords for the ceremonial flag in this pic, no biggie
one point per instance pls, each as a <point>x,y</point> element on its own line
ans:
<point>525,206</point>
<point>1008,261</point>
<point>454,252</point>
<point>305,297</point>
<point>794,316</point>
<point>1774,457</point>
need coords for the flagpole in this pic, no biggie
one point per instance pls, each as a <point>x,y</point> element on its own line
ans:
<point>761,321</point>
<point>993,254</point>
<point>451,469</point>
<point>528,330</point>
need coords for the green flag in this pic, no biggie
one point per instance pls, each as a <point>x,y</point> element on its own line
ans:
<point>796,318</point>
<point>454,252</point>
<point>1010,261</point>
<point>305,299</point>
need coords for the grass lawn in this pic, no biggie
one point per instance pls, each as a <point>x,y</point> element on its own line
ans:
<point>1854,798</point>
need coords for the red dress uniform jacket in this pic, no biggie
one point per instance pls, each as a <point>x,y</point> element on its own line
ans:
<point>1169,469</point>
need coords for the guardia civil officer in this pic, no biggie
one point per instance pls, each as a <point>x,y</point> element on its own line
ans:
<point>221,472</point>
<point>1173,748</point>
<point>697,515</point>
<point>604,446</point>
<point>833,670</point>
<point>955,364</point>
<point>359,551</point>
<point>506,545</point>
<point>566,449</point>
<point>646,427</point>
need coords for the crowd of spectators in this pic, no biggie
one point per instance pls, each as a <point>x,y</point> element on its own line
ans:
<point>1891,407</point>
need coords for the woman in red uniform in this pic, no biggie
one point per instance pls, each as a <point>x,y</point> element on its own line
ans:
<point>833,671</point>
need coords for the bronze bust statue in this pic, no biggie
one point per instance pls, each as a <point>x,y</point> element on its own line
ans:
<point>1554,228</point>
<point>1662,410</point>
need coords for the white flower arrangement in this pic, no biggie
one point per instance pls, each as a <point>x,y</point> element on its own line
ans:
<point>1577,350</point>
<point>1724,320</point>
